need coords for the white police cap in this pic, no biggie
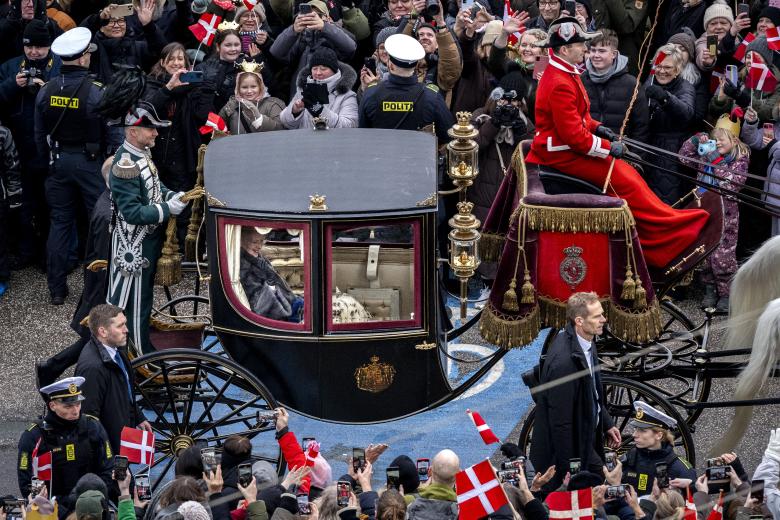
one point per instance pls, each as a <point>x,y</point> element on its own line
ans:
<point>73,44</point>
<point>404,50</point>
<point>645,416</point>
<point>66,390</point>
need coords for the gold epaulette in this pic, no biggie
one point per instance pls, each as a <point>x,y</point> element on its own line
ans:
<point>126,168</point>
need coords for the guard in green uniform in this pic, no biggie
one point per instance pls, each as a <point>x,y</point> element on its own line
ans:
<point>142,204</point>
<point>78,444</point>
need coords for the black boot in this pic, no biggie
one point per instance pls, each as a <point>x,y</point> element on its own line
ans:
<point>723,304</point>
<point>710,296</point>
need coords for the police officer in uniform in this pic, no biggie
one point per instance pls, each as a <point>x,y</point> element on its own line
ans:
<point>653,444</point>
<point>400,101</point>
<point>78,444</point>
<point>68,129</point>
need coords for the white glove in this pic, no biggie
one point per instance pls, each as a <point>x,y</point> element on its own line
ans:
<point>175,205</point>
<point>773,448</point>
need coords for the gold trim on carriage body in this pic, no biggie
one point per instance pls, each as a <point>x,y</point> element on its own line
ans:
<point>577,220</point>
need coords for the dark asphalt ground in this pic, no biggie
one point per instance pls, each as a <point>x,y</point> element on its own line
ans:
<point>31,329</point>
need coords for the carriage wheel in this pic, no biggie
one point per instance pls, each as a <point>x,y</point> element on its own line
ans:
<point>620,394</point>
<point>192,397</point>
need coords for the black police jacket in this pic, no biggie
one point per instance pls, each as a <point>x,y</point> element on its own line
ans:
<point>405,104</point>
<point>639,467</point>
<point>77,447</point>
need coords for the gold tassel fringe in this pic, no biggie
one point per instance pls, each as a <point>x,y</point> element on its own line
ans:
<point>629,287</point>
<point>640,297</point>
<point>510,298</point>
<point>491,245</point>
<point>527,289</point>
<point>635,326</point>
<point>577,220</point>
<point>169,264</point>
<point>508,331</point>
<point>553,312</point>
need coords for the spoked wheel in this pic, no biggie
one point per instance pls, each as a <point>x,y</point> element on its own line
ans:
<point>192,397</point>
<point>620,394</point>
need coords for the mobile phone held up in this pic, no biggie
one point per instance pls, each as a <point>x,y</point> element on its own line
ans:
<point>120,468</point>
<point>304,9</point>
<point>393,477</point>
<point>121,11</point>
<point>245,474</point>
<point>142,487</point>
<point>343,489</point>
<point>192,76</point>
<point>422,469</point>
<point>743,9</point>
<point>616,491</point>
<point>211,460</point>
<point>571,7</point>
<point>358,459</point>
<point>661,475</point>
<point>306,443</point>
<point>712,45</point>
<point>574,466</point>
<point>610,459</point>
<point>757,490</point>
<point>370,64</point>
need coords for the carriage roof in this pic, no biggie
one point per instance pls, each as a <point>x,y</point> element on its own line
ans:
<point>358,170</point>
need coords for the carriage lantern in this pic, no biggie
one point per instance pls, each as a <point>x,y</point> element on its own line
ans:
<point>462,153</point>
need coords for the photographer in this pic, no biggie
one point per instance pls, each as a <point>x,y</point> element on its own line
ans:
<point>10,197</point>
<point>12,27</point>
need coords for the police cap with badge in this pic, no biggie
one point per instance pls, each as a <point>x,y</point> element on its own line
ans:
<point>566,30</point>
<point>404,51</point>
<point>73,44</point>
<point>66,391</point>
<point>645,416</point>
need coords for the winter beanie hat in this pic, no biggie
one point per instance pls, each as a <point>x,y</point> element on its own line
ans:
<point>761,46</point>
<point>36,34</point>
<point>686,40</point>
<point>773,13</point>
<point>191,510</point>
<point>325,57</point>
<point>719,9</point>
<point>384,34</point>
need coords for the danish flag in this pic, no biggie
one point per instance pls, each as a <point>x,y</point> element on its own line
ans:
<point>690,508</point>
<point>214,122</point>
<point>137,445</point>
<point>312,453</point>
<point>508,13</point>
<point>250,4</point>
<point>658,59</point>
<point>479,491</point>
<point>759,77</point>
<point>573,505</point>
<point>773,38</point>
<point>41,463</point>
<point>717,511</point>
<point>739,54</point>
<point>484,430</point>
<point>206,28</point>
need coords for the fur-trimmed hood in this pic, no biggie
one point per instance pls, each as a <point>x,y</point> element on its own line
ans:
<point>348,78</point>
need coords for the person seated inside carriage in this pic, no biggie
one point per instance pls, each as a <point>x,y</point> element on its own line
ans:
<point>569,140</point>
<point>268,294</point>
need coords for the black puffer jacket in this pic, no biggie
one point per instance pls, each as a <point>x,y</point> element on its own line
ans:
<point>669,124</point>
<point>219,81</point>
<point>610,94</point>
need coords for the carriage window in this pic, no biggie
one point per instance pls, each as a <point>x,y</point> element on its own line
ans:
<point>267,271</point>
<point>374,271</point>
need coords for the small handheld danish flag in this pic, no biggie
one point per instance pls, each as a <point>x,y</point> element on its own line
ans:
<point>205,29</point>
<point>773,38</point>
<point>137,445</point>
<point>214,122</point>
<point>658,59</point>
<point>41,464</point>
<point>690,508</point>
<point>488,437</point>
<point>717,511</point>
<point>574,505</point>
<point>759,77</point>
<point>479,491</point>
<point>739,54</point>
<point>312,453</point>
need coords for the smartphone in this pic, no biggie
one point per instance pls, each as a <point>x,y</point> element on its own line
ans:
<point>610,460</point>
<point>662,475</point>
<point>358,459</point>
<point>574,466</point>
<point>303,504</point>
<point>192,76</point>
<point>615,491</point>
<point>304,9</point>
<point>571,7</point>
<point>422,469</point>
<point>120,468</point>
<point>142,487</point>
<point>712,45</point>
<point>508,476</point>
<point>306,442</point>
<point>370,64</point>
<point>757,491</point>
<point>393,477</point>
<point>732,75</point>
<point>245,474</point>
<point>121,11</point>
<point>342,493</point>
<point>36,486</point>
<point>540,65</point>
<point>211,459</point>
<point>769,130</point>
<point>743,8</point>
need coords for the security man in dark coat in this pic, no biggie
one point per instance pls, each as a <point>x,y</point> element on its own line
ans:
<point>401,102</point>
<point>109,387</point>
<point>77,442</point>
<point>68,129</point>
<point>571,415</point>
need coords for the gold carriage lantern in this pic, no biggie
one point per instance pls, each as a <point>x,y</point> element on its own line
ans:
<point>464,248</point>
<point>462,153</point>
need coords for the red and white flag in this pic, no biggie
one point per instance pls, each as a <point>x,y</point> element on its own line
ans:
<point>137,445</point>
<point>575,505</point>
<point>508,13</point>
<point>717,511</point>
<point>690,508</point>
<point>484,430</point>
<point>479,491</point>
<point>759,77</point>
<point>41,464</point>
<point>658,59</point>
<point>250,4</point>
<point>312,452</point>
<point>739,54</point>
<point>214,122</point>
<point>773,38</point>
<point>206,28</point>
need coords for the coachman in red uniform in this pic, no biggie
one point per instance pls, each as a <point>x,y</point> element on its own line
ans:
<point>568,139</point>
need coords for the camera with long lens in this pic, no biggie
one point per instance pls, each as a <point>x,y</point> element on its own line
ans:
<point>30,74</point>
<point>432,8</point>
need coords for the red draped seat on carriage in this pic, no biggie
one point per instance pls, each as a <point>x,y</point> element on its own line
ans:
<point>553,235</point>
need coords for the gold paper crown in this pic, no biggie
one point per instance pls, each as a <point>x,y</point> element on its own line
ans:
<point>227,26</point>
<point>725,122</point>
<point>250,66</point>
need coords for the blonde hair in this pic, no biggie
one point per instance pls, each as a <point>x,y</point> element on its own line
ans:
<point>670,505</point>
<point>668,435</point>
<point>672,51</point>
<point>740,149</point>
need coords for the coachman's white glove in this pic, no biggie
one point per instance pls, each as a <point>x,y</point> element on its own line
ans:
<point>773,448</point>
<point>175,205</point>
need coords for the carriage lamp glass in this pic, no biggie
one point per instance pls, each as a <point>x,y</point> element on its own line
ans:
<point>464,249</point>
<point>462,152</point>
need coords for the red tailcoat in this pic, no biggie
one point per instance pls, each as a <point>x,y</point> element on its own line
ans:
<point>565,141</point>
